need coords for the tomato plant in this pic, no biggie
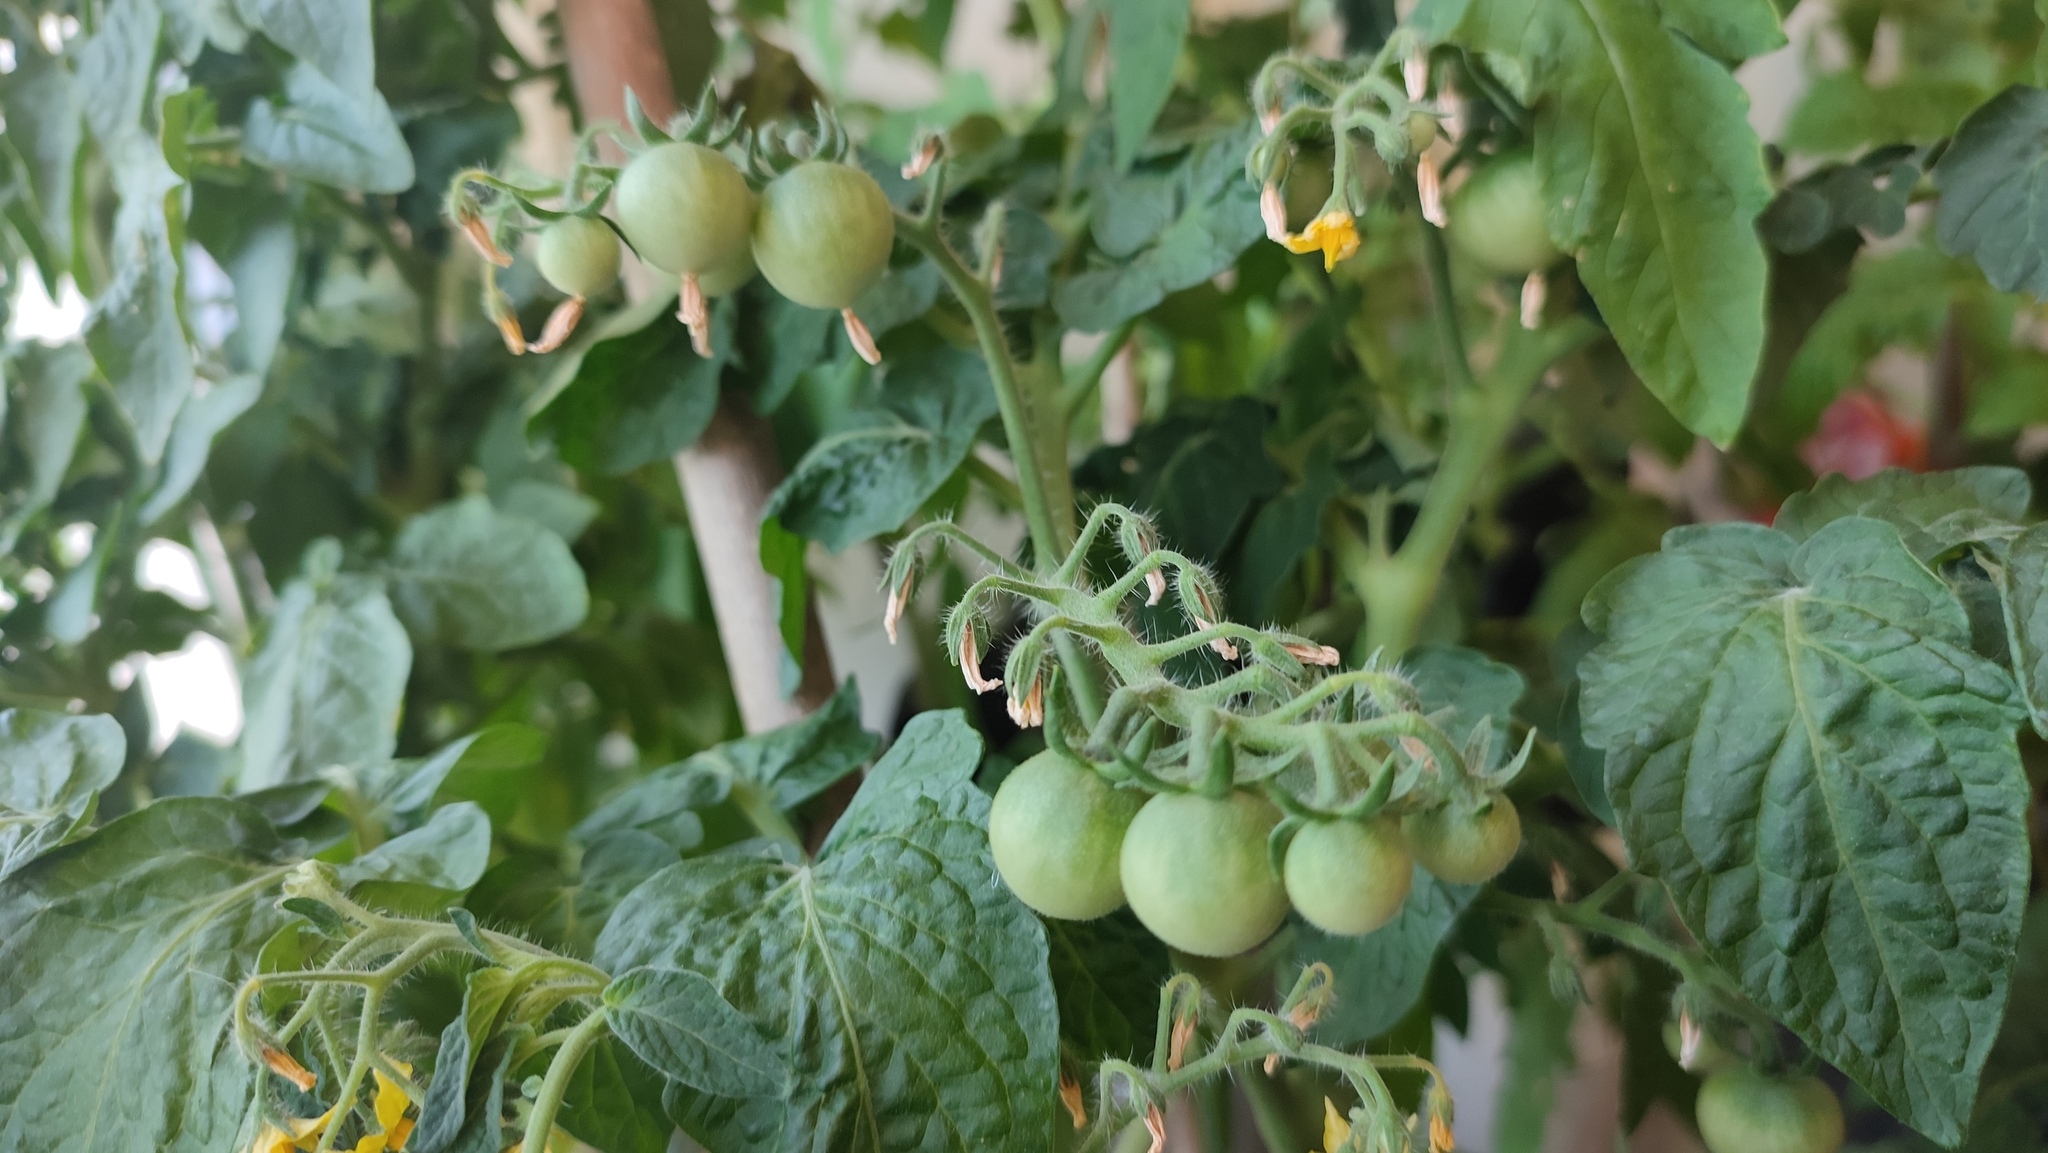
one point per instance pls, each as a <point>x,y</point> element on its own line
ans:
<point>1367,499</point>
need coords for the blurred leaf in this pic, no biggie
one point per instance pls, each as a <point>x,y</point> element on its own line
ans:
<point>782,558</point>
<point>46,412</point>
<point>137,338</point>
<point>330,36</point>
<point>1935,513</point>
<point>201,419</point>
<point>114,64</point>
<point>780,339</point>
<point>867,481</point>
<point>1280,535</point>
<point>409,785</point>
<point>1539,1050</point>
<point>1897,298</point>
<point>1732,30</point>
<point>56,767</point>
<point>1869,195</point>
<point>328,134</point>
<point>44,129</point>
<point>1145,38</point>
<point>326,686</point>
<point>1176,231</point>
<point>466,574</point>
<point>1993,180</point>
<point>1841,112</point>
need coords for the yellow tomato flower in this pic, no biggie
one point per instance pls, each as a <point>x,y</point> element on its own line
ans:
<point>1334,234</point>
<point>1336,1130</point>
<point>271,1139</point>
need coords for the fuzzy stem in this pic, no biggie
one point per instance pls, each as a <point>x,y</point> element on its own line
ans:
<point>541,1121</point>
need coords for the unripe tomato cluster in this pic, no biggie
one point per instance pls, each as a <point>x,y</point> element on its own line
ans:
<point>821,232</point>
<point>1196,870</point>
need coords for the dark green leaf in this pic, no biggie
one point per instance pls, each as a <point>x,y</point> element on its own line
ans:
<point>1899,298</point>
<point>1460,688</point>
<point>799,760</point>
<point>1380,975</point>
<point>1935,512</point>
<point>911,985</point>
<point>1283,531</point>
<point>679,1024</point>
<point>55,767</point>
<point>639,397</point>
<point>1731,30</point>
<point>935,758</point>
<point>614,1102</point>
<point>1993,180</point>
<point>1870,195</point>
<point>780,340</point>
<point>1207,214</point>
<point>411,785</point>
<point>1655,180</point>
<point>899,297</point>
<point>664,804</point>
<point>319,914</point>
<point>326,686</point>
<point>466,574</point>
<point>2021,573</point>
<point>449,852</point>
<point>1107,974</point>
<point>444,1113</point>
<point>1539,1050</point>
<point>119,958</point>
<point>868,481</point>
<point>1802,746</point>
<point>1145,38</point>
<point>782,558</point>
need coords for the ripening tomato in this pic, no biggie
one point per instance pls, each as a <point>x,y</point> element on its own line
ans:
<point>1463,845</point>
<point>1057,831</point>
<point>685,208</point>
<point>823,233</point>
<point>1195,871</point>
<point>1348,877</point>
<point>579,255</point>
<point>1498,217</point>
<point>1743,1111</point>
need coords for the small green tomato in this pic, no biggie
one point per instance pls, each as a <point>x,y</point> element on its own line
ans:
<point>1348,877</point>
<point>579,255</point>
<point>1462,845</point>
<point>685,208</point>
<point>1498,217</point>
<point>1743,1111</point>
<point>823,233</point>
<point>1195,871</point>
<point>1057,831</point>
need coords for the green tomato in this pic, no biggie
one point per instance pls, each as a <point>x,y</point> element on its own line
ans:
<point>578,255</point>
<point>823,233</point>
<point>1196,872</point>
<point>685,208</point>
<point>1348,877</point>
<point>1421,132</point>
<point>1465,846</point>
<point>1056,829</point>
<point>1498,217</point>
<point>1743,1111</point>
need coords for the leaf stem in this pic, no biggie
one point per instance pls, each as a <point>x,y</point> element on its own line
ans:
<point>366,1051</point>
<point>541,1121</point>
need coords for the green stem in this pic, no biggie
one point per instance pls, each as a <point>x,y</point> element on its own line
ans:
<point>1089,373</point>
<point>760,808</point>
<point>366,1052</point>
<point>541,1121</point>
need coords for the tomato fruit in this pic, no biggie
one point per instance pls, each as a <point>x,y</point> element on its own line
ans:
<point>1743,1111</point>
<point>1057,829</point>
<point>1196,873</point>
<point>1348,877</point>
<point>1421,131</point>
<point>1465,846</point>
<point>823,233</point>
<point>684,207</point>
<point>578,255</point>
<point>1498,217</point>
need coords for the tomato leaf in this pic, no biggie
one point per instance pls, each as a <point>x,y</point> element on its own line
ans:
<point>199,420</point>
<point>324,133</point>
<point>445,1111</point>
<point>1992,180</point>
<point>1802,745</point>
<point>1169,233</point>
<point>46,411</point>
<point>449,852</point>
<point>935,757</point>
<point>910,985</point>
<point>480,579</point>
<point>1934,512</point>
<point>637,397</point>
<point>1728,29</point>
<point>867,481</point>
<point>1655,179</point>
<point>326,686</point>
<point>1106,974</point>
<point>614,1102</point>
<point>1145,38</point>
<point>119,957</point>
<point>137,337</point>
<point>2021,573</point>
<point>56,767</point>
<point>678,1023</point>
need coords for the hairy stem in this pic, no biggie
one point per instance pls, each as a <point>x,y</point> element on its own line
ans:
<point>541,1121</point>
